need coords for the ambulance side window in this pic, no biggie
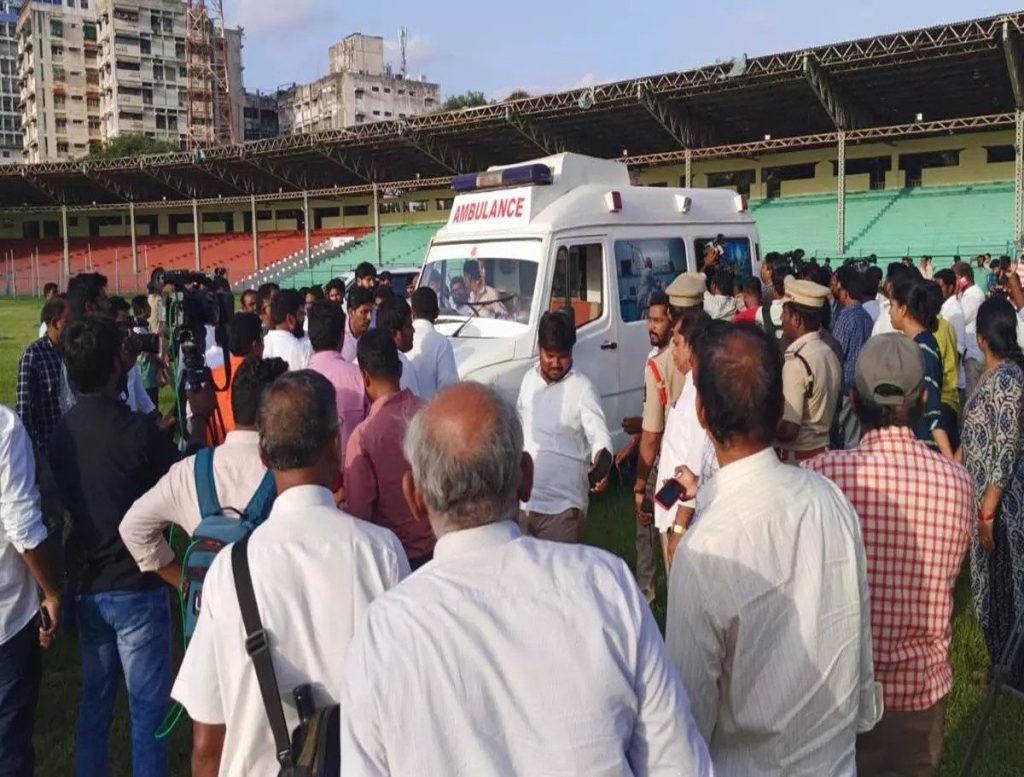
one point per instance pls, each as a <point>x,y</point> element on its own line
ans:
<point>578,282</point>
<point>736,255</point>
<point>645,266</point>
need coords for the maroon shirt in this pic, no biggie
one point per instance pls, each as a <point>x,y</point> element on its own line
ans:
<point>374,468</point>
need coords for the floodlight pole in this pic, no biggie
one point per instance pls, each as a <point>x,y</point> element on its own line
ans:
<point>306,229</point>
<point>195,234</point>
<point>376,220</point>
<point>135,247</point>
<point>255,235</point>
<point>67,244</point>
<point>689,169</point>
<point>841,196</point>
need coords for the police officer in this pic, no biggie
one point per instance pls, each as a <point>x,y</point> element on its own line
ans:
<point>812,375</point>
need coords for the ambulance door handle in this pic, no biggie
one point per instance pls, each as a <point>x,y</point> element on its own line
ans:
<point>609,345</point>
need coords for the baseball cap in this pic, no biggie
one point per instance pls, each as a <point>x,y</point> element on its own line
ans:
<point>890,370</point>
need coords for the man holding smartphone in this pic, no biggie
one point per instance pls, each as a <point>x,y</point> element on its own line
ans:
<point>565,434</point>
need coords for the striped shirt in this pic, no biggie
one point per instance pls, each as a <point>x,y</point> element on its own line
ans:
<point>932,411</point>
<point>852,329</point>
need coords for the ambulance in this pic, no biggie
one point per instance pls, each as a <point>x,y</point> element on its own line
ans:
<point>571,231</point>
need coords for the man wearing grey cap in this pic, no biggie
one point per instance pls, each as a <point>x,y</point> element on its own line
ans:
<point>915,509</point>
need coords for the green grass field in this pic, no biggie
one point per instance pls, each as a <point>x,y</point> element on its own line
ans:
<point>609,526</point>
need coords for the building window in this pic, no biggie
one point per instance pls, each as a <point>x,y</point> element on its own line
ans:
<point>445,203</point>
<point>57,28</point>
<point>401,91</point>
<point>387,90</point>
<point>1000,154</point>
<point>416,206</point>
<point>376,113</point>
<point>387,113</point>
<point>374,88</point>
<point>355,210</point>
<point>62,148</point>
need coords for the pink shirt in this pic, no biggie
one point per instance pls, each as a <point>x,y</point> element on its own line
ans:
<point>374,468</point>
<point>347,380</point>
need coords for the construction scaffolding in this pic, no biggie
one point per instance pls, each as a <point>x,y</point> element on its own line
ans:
<point>210,120</point>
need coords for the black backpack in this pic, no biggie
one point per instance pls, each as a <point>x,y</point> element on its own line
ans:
<point>769,327</point>
<point>314,748</point>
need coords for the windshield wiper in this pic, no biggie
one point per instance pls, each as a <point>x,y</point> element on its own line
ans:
<point>476,313</point>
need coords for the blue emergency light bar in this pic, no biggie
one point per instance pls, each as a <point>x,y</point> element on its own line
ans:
<point>525,175</point>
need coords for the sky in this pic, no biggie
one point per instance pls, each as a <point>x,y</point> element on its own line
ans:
<point>551,45</point>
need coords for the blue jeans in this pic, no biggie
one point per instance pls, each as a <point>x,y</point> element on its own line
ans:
<point>20,672</point>
<point>129,632</point>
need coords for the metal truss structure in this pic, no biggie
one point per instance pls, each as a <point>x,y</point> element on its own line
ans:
<point>209,88</point>
<point>960,77</point>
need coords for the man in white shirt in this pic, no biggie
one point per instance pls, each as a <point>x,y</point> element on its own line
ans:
<point>498,683</point>
<point>768,613</point>
<point>314,571</point>
<point>395,317</point>
<point>432,354</point>
<point>237,473</point>
<point>953,312</point>
<point>23,564</point>
<point>286,340</point>
<point>566,435</point>
<point>971,298</point>
<point>360,317</point>
<point>872,303</point>
<point>718,300</point>
<point>883,324</point>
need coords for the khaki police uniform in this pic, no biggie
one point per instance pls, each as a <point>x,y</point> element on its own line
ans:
<point>687,290</point>
<point>812,379</point>
<point>663,384</point>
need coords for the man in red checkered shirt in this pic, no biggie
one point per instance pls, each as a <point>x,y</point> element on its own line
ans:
<point>916,510</point>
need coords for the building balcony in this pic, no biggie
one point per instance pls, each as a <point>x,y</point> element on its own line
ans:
<point>127,50</point>
<point>129,76</point>
<point>129,100</point>
<point>130,125</point>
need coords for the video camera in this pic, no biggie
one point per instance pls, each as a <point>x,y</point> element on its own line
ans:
<point>188,310</point>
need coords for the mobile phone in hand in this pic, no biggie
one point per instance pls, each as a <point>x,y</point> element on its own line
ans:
<point>44,618</point>
<point>601,469</point>
<point>669,494</point>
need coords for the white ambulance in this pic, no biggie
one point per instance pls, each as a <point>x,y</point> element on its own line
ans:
<point>572,230</point>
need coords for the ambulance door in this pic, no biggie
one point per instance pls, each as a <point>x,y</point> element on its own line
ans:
<point>580,282</point>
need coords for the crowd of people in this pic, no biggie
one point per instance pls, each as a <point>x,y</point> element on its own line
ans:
<point>817,452</point>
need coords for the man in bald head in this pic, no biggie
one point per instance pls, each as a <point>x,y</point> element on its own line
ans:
<point>526,656</point>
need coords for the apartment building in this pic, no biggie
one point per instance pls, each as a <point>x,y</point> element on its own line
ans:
<point>359,89</point>
<point>10,90</point>
<point>58,61</point>
<point>260,113</point>
<point>113,67</point>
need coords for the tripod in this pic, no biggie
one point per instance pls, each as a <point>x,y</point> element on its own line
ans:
<point>1001,673</point>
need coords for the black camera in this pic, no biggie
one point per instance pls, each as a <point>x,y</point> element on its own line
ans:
<point>190,308</point>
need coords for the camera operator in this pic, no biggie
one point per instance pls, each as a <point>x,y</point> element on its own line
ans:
<point>245,339</point>
<point>104,457</point>
<point>151,366</point>
<point>237,473</point>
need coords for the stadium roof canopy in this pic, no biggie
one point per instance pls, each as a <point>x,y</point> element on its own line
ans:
<point>956,76</point>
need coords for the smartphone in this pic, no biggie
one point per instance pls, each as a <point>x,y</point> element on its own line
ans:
<point>44,618</point>
<point>669,494</point>
<point>601,470</point>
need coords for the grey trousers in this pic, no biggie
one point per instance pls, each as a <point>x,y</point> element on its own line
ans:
<point>850,430</point>
<point>972,374</point>
<point>903,744</point>
<point>566,526</point>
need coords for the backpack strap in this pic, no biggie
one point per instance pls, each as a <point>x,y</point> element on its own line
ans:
<point>659,381</point>
<point>206,490</point>
<point>258,648</point>
<point>769,325</point>
<point>258,509</point>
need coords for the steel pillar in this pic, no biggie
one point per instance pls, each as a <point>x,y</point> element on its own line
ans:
<point>841,196</point>
<point>1018,183</point>
<point>195,234</point>
<point>306,228</point>
<point>135,246</point>
<point>255,236</point>
<point>67,244</point>
<point>376,219</point>
<point>689,169</point>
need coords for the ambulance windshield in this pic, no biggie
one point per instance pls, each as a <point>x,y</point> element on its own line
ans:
<point>484,280</point>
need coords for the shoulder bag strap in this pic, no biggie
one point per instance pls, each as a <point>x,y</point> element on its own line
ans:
<point>769,325</point>
<point>206,490</point>
<point>258,648</point>
<point>258,509</point>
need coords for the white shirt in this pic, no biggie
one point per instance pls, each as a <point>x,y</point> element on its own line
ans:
<point>280,344</point>
<point>883,324</point>
<point>135,398</point>
<point>42,329</point>
<point>970,300</point>
<point>719,306</point>
<point>21,525</point>
<point>237,473</point>
<point>775,311</point>
<point>410,377</point>
<point>768,622</point>
<point>953,312</point>
<point>314,572</point>
<point>433,357</point>
<point>873,307</point>
<point>508,655</point>
<point>684,443</point>
<point>563,430</point>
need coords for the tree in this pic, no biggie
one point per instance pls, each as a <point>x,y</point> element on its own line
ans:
<point>470,99</point>
<point>132,145</point>
<point>518,94</point>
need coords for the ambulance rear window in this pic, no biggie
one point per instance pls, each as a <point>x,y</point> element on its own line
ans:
<point>736,255</point>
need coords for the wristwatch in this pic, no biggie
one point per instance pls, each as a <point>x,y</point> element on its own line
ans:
<point>675,529</point>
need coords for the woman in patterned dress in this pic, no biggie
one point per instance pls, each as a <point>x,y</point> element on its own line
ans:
<point>992,452</point>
